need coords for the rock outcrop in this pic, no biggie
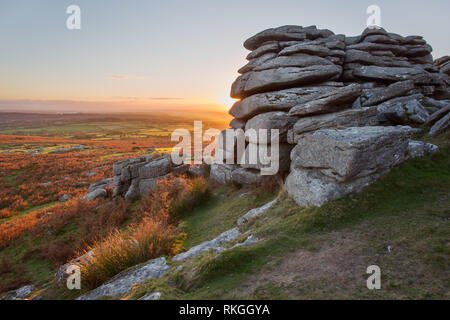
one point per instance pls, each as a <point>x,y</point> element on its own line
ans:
<point>327,95</point>
<point>98,189</point>
<point>137,176</point>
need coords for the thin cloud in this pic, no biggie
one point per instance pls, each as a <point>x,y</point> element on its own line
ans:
<point>125,77</point>
<point>117,77</point>
<point>165,98</point>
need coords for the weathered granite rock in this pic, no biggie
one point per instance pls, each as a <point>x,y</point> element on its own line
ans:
<point>353,152</point>
<point>311,188</point>
<point>225,237</point>
<point>438,115</point>
<point>267,47</point>
<point>366,58</point>
<point>181,169</point>
<point>124,281</point>
<point>221,173</point>
<point>398,110</point>
<point>227,145</point>
<point>281,78</point>
<point>427,101</point>
<point>138,176</point>
<point>306,48</point>
<point>251,240</point>
<point>286,33</point>
<point>156,168</point>
<point>347,118</point>
<point>282,100</point>
<point>19,294</point>
<point>440,126</point>
<point>237,124</point>
<point>97,193</point>
<point>416,111</point>
<point>147,185</point>
<point>103,184</point>
<point>151,296</point>
<point>198,170</point>
<point>376,96</point>
<point>297,60</point>
<point>255,63</point>
<point>336,100</point>
<point>63,271</point>
<point>418,149</point>
<point>394,74</point>
<point>331,164</point>
<point>259,156</point>
<point>248,176</point>
<point>277,120</point>
<point>133,190</point>
<point>65,197</point>
<point>441,61</point>
<point>254,213</point>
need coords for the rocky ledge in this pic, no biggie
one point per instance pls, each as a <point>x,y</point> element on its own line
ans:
<point>337,102</point>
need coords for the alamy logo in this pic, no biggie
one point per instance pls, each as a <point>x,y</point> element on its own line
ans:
<point>374,19</point>
<point>73,22</point>
<point>374,281</point>
<point>74,278</point>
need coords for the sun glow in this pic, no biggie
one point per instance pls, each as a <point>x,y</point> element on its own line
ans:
<point>227,101</point>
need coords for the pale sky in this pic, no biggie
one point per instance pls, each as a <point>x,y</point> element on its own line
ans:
<point>137,55</point>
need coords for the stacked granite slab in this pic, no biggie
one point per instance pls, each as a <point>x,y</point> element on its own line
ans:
<point>396,73</point>
<point>137,176</point>
<point>288,66</point>
<point>443,64</point>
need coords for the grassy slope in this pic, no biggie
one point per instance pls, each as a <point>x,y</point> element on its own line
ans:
<point>323,253</point>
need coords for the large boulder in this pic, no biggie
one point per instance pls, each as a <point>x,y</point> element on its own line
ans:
<point>330,164</point>
<point>310,188</point>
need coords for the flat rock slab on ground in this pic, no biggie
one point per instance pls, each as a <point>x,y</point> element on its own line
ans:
<point>255,212</point>
<point>124,281</point>
<point>225,237</point>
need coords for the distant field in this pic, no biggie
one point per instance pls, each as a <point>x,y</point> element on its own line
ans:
<point>106,127</point>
